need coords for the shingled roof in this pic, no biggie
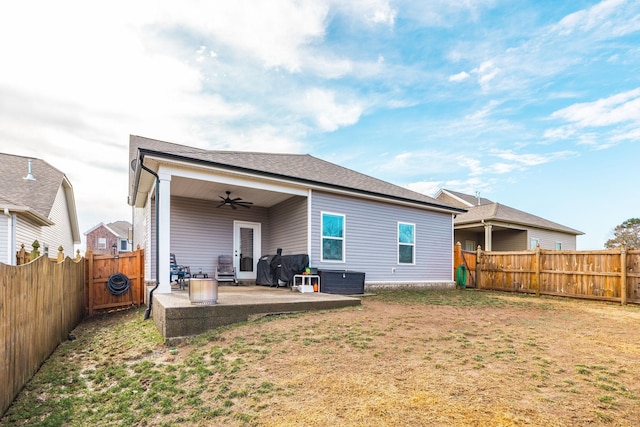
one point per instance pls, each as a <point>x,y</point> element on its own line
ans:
<point>118,228</point>
<point>484,209</point>
<point>302,168</point>
<point>34,197</point>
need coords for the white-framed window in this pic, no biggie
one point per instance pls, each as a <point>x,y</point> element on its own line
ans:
<point>406,243</point>
<point>102,243</point>
<point>558,246</point>
<point>332,237</point>
<point>123,245</point>
<point>534,243</point>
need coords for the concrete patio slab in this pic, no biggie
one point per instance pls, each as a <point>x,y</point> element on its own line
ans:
<point>176,317</point>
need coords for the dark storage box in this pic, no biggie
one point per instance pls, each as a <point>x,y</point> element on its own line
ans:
<point>341,282</point>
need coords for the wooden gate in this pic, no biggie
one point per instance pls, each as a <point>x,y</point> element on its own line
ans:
<point>100,268</point>
<point>467,260</point>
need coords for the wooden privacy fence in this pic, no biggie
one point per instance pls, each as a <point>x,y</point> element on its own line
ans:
<point>99,268</point>
<point>607,275</point>
<point>40,303</point>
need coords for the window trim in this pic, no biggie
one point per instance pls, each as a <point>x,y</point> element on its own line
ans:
<point>533,243</point>
<point>413,244</point>
<point>343,238</point>
<point>558,246</point>
<point>102,243</point>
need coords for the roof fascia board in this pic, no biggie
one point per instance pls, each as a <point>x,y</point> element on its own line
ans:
<point>513,224</point>
<point>458,198</point>
<point>38,218</point>
<point>309,183</point>
<point>71,208</point>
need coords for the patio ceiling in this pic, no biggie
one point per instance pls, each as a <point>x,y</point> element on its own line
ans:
<point>208,190</point>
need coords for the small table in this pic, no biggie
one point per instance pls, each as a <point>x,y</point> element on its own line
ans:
<point>200,275</point>
<point>305,282</point>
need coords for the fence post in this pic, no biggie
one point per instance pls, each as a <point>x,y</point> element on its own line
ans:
<point>35,253</point>
<point>21,257</point>
<point>478,267</point>
<point>60,254</point>
<point>89,260</point>
<point>457,257</point>
<point>537,270</point>
<point>623,275</point>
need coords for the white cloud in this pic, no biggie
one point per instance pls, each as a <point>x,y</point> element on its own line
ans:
<point>600,124</point>
<point>599,15</point>
<point>467,186</point>
<point>487,71</point>
<point>461,76</point>
<point>615,109</point>
<point>518,161</point>
<point>429,188</point>
<point>373,12</point>
<point>327,112</point>
<point>273,33</point>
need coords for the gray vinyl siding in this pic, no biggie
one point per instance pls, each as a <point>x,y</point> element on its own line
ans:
<point>288,227</point>
<point>60,233</point>
<point>200,231</point>
<point>5,256</point>
<point>26,233</point>
<point>509,240</point>
<point>371,240</point>
<point>548,239</point>
<point>142,236</point>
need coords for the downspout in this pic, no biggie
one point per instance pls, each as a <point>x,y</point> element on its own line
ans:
<point>147,313</point>
<point>11,243</point>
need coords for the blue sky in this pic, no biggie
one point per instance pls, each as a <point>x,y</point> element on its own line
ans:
<point>534,104</point>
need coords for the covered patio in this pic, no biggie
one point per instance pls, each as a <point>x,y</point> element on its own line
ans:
<point>176,316</point>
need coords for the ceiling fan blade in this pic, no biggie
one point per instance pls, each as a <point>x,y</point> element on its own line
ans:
<point>221,204</point>
<point>233,206</point>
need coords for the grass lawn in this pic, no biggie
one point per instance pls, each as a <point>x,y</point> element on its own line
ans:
<point>418,358</point>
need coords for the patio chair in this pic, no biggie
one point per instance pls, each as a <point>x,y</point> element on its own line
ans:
<point>225,271</point>
<point>182,272</point>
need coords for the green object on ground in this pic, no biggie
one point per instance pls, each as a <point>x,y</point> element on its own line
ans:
<point>461,276</point>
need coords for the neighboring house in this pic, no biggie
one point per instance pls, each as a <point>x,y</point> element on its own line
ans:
<point>342,219</point>
<point>36,203</point>
<point>110,238</point>
<point>497,227</point>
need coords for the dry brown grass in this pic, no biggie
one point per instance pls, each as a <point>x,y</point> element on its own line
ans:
<point>490,360</point>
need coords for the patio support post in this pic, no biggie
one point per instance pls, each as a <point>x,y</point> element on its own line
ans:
<point>487,237</point>
<point>163,233</point>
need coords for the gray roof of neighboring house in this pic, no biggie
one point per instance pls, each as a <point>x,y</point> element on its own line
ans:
<point>302,168</point>
<point>468,199</point>
<point>117,228</point>
<point>491,211</point>
<point>120,228</point>
<point>20,193</point>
